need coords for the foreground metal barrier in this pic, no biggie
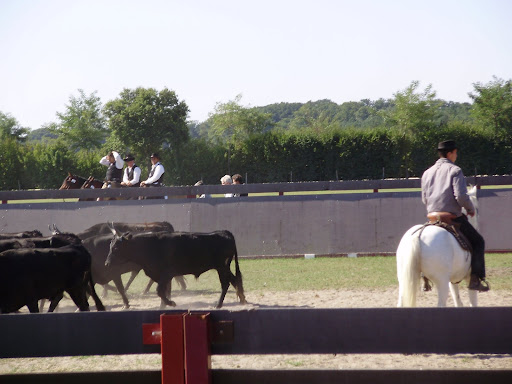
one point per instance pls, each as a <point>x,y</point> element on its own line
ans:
<point>265,331</point>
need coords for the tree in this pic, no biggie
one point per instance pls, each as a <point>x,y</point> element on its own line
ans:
<point>233,122</point>
<point>315,116</point>
<point>146,121</point>
<point>492,105</point>
<point>9,127</point>
<point>82,125</point>
<point>414,114</point>
<point>413,111</point>
<point>11,158</point>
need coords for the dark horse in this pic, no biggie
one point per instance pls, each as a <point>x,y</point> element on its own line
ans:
<point>73,182</point>
<point>79,182</point>
<point>92,183</point>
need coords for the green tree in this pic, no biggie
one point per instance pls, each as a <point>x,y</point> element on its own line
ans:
<point>233,122</point>
<point>50,163</point>
<point>414,111</point>
<point>492,105</point>
<point>82,125</point>
<point>11,158</point>
<point>146,121</point>
<point>9,127</point>
<point>317,116</point>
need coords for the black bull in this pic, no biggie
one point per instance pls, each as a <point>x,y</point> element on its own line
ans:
<point>28,275</point>
<point>55,241</point>
<point>164,255</point>
<point>20,235</point>
<point>105,228</point>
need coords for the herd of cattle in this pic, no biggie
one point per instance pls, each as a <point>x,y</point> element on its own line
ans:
<point>33,267</point>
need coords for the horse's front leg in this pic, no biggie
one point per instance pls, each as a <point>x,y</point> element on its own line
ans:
<point>454,289</point>
<point>473,294</point>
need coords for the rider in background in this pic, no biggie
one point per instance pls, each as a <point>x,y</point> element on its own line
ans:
<point>443,189</point>
<point>131,174</point>
<point>114,175</point>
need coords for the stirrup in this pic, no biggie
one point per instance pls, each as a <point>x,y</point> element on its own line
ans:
<point>485,285</point>
<point>426,286</point>
<point>482,286</point>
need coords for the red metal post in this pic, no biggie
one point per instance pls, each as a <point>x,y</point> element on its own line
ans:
<point>185,344</point>
<point>197,349</point>
<point>173,359</point>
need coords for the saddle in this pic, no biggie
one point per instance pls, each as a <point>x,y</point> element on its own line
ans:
<point>445,220</point>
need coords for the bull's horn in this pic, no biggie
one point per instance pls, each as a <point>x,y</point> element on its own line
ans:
<point>111,226</point>
<point>55,230</point>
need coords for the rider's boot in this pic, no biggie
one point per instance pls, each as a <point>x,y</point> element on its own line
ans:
<point>426,286</point>
<point>478,285</point>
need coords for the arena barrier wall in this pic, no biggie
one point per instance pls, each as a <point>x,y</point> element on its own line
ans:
<point>265,331</point>
<point>314,224</point>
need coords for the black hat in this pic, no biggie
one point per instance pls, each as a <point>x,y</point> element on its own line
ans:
<point>154,154</point>
<point>448,145</point>
<point>129,157</point>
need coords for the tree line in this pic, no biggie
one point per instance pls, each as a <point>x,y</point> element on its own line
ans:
<point>319,140</point>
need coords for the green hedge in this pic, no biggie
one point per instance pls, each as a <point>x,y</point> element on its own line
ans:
<point>348,154</point>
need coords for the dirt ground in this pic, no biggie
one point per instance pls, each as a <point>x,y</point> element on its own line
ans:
<point>367,298</point>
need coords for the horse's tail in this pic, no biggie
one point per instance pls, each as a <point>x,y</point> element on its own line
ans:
<point>410,271</point>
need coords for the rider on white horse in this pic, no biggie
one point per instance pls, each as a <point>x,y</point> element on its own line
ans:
<point>443,189</point>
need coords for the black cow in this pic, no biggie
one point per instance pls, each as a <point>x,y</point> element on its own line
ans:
<point>104,228</point>
<point>96,250</point>
<point>55,241</point>
<point>99,247</point>
<point>28,275</point>
<point>20,235</point>
<point>165,255</point>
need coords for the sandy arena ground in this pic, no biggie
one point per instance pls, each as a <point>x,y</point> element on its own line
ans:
<point>304,299</point>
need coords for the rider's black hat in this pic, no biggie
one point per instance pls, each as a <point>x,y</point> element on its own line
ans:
<point>129,157</point>
<point>448,145</point>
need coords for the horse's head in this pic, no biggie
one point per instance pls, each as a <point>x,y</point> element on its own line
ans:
<point>472,193</point>
<point>72,182</point>
<point>92,183</point>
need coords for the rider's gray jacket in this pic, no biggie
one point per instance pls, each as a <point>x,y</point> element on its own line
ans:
<point>443,189</point>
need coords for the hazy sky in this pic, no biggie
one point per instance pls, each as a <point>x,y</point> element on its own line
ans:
<point>268,51</point>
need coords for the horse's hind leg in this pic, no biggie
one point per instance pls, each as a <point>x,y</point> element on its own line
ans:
<point>454,289</point>
<point>400,304</point>
<point>442,294</point>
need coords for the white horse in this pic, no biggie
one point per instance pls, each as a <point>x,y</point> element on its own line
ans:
<point>435,253</point>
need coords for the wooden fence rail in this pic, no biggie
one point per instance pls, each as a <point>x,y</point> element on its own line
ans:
<point>272,331</point>
<point>184,191</point>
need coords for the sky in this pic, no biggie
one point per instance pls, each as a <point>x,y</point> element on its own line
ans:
<point>269,51</point>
